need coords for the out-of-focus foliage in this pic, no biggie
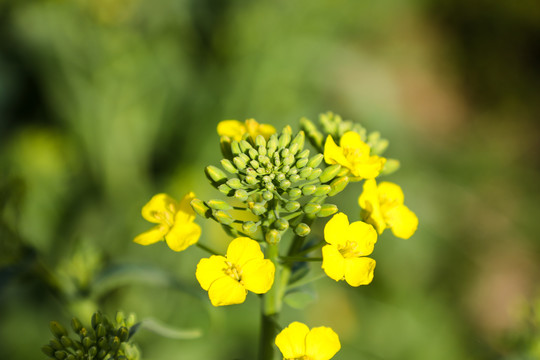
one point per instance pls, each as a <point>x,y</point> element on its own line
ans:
<point>104,103</point>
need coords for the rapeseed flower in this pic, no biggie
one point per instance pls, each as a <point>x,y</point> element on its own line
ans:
<point>349,244</point>
<point>382,206</point>
<point>236,129</point>
<point>175,221</point>
<point>228,278</point>
<point>297,341</point>
<point>353,154</point>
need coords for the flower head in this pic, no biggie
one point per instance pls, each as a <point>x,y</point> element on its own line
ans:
<point>296,341</point>
<point>228,278</point>
<point>175,222</point>
<point>349,244</point>
<point>382,206</point>
<point>236,129</point>
<point>353,154</point>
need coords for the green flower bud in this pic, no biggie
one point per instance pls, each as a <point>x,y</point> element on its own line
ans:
<point>48,350</point>
<point>97,318</point>
<point>215,174</point>
<point>292,206</point>
<point>101,354</point>
<point>239,163</point>
<point>302,229</point>
<point>57,329</point>
<point>254,164</point>
<point>289,160</point>
<point>115,343</point>
<point>92,352</point>
<point>327,210</point>
<point>311,208</point>
<point>284,139</point>
<point>294,148</point>
<point>120,317</point>
<point>87,342</point>
<point>266,179</point>
<point>308,189</point>
<point>244,157</point>
<point>273,236</point>
<point>315,160</point>
<point>225,145</point>
<point>295,194</point>
<point>102,343</point>
<point>292,171</point>
<point>257,209</point>
<point>281,224</point>
<point>302,162</point>
<point>66,341</point>
<point>261,171</point>
<point>251,172</point>
<point>225,189</point>
<point>76,325</point>
<point>71,357</point>
<point>259,141</point>
<point>299,139</point>
<point>222,217</point>
<point>285,152</point>
<point>315,174</point>
<point>329,173</point>
<point>295,178</point>
<point>263,160</point>
<point>250,227</point>
<point>130,321</point>
<point>280,177</point>
<point>123,333</point>
<point>251,180</point>
<point>285,184</point>
<point>285,169</point>
<point>343,172</point>
<point>272,144</point>
<point>235,148</point>
<point>56,345</point>
<point>241,195</point>
<point>313,134</point>
<point>338,185</point>
<point>305,172</point>
<point>253,154</point>
<point>322,190</point>
<point>245,146</point>
<point>390,166</point>
<point>228,166</point>
<point>200,208</point>
<point>60,355</point>
<point>262,150</point>
<point>235,183</point>
<point>303,154</point>
<point>267,195</point>
<point>270,186</point>
<point>277,161</point>
<point>219,204</point>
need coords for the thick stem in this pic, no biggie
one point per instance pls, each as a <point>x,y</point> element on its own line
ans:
<point>271,306</point>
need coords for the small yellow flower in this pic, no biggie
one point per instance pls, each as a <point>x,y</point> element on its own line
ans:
<point>344,258</point>
<point>228,278</point>
<point>236,129</point>
<point>296,341</point>
<point>382,206</point>
<point>353,154</point>
<point>175,222</point>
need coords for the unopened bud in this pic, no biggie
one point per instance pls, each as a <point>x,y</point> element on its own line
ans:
<point>308,189</point>
<point>315,174</point>
<point>76,325</point>
<point>257,209</point>
<point>285,184</point>
<point>219,204</point>
<point>327,210</point>
<point>259,141</point>
<point>281,224</point>
<point>235,183</point>
<point>222,217</point>
<point>306,172</point>
<point>200,208</point>
<point>295,193</point>
<point>215,174</point>
<point>273,236</point>
<point>302,162</point>
<point>225,189</point>
<point>239,163</point>
<point>338,185</point>
<point>57,329</point>
<point>229,166</point>
<point>302,229</point>
<point>329,173</point>
<point>292,206</point>
<point>311,208</point>
<point>322,190</point>
<point>315,160</point>
<point>249,226</point>
<point>241,194</point>
<point>295,178</point>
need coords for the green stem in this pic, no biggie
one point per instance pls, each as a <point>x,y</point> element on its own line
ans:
<point>271,306</point>
<point>299,259</point>
<point>207,249</point>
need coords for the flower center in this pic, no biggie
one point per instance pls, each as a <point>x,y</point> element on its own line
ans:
<point>166,217</point>
<point>233,271</point>
<point>354,155</point>
<point>350,250</point>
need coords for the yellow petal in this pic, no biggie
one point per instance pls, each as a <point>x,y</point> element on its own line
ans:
<point>258,275</point>
<point>369,168</point>
<point>390,193</point>
<point>291,341</point>
<point>335,230</point>
<point>243,249</point>
<point>369,202</point>
<point>185,211</point>
<point>359,271</point>
<point>352,140</point>
<point>333,154</point>
<point>322,343</point>
<point>364,235</point>
<point>402,221</point>
<point>160,206</point>
<point>333,262</point>
<point>183,235</point>
<point>210,269</point>
<point>266,130</point>
<point>226,291</point>
<point>231,128</point>
<point>152,236</point>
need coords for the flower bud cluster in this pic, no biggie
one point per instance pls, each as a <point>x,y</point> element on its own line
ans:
<point>276,180</point>
<point>102,340</point>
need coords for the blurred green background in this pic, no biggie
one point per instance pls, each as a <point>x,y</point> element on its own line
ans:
<point>104,103</point>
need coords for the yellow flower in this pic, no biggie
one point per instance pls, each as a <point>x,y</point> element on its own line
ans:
<point>236,129</point>
<point>353,154</point>
<point>382,206</point>
<point>344,258</point>
<point>175,222</point>
<point>296,341</point>
<point>228,278</point>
